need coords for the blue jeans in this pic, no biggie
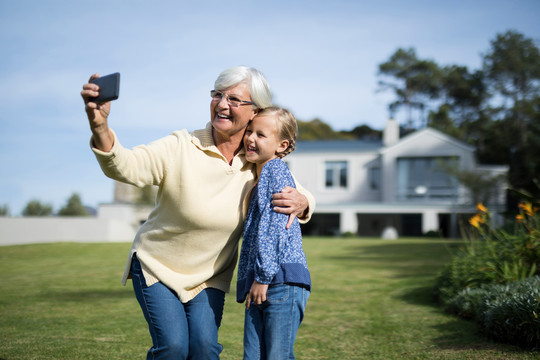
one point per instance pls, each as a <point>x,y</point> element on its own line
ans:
<point>270,328</point>
<point>179,330</point>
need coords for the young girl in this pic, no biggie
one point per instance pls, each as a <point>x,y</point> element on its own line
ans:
<point>273,276</point>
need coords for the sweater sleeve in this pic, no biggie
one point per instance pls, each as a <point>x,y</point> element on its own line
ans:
<point>311,201</point>
<point>271,232</point>
<point>142,165</point>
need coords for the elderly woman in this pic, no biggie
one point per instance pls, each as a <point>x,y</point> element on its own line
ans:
<point>183,257</point>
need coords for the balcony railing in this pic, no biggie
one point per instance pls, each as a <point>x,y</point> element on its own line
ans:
<point>427,193</point>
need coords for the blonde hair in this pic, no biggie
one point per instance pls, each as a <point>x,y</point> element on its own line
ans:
<point>287,126</point>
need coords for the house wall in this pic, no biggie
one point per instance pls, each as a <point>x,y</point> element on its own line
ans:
<point>360,209</point>
<point>423,144</point>
<point>309,170</point>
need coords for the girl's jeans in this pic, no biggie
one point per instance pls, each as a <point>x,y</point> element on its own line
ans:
<point>179,331</point>
<point>270,328</point>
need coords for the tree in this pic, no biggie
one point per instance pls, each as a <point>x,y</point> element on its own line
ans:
<point>462,112</point>
<point>317,129</point>
<point>482,185</point>
<point>512,68</point>
<point>413,81</point>
<point>36,208</point>
<point>73,207</point>
<point>4,210</point>
<point>365,132</point>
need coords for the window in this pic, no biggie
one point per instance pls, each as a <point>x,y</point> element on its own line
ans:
<point>336,174</point>
<point>423,177</point>
<point>374,178</point>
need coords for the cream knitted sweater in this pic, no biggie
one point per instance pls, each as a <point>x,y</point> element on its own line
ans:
<point>190,240</point>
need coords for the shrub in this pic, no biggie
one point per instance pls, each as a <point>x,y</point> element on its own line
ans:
<point>494,278</point>
<point>468,301</point>
<point>493,255</point>
<point>37,208</point>
<point>466,270</point>
<point>508,313</point>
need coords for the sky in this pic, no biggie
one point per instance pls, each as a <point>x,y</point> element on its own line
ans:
<point>320,57</point>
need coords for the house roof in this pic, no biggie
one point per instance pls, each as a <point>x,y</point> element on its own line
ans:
<point>338,146</point>
<point>417,135</point>
<point>329,146</point>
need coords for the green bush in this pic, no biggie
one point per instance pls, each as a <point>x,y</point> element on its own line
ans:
<point>493,256</point>
<point>466,270</point>
<point>507,313</point>
<point>479,264</point>
<point>468,301</point>
<point>494,278</point>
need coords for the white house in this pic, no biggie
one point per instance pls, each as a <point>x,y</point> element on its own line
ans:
<point>394,186</point>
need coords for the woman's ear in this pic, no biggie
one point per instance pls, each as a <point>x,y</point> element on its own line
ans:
<point>255,112</point>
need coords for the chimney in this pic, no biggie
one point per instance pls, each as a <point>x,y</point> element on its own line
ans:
<point>391,133</point>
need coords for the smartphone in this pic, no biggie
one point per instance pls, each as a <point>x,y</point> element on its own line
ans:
<point>109,88</point>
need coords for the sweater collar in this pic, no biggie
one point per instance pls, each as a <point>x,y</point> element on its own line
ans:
<point>204,140</point>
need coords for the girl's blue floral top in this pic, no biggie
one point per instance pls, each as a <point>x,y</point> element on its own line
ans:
<point>271,254</point>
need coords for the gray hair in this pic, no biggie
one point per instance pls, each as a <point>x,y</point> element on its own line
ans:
<point>259,88</point>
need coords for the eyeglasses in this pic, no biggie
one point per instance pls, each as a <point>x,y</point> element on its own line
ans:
<point>231,100</point>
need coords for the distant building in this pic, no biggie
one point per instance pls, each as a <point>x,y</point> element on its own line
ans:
<point>394,186</point>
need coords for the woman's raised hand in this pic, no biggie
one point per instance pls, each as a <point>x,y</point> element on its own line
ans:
<point>97,116</point>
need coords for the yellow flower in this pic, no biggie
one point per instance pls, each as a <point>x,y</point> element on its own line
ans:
<point>481,207</point>
<point>520,218</point>
<point>476,220</point>
<point>527,207</point>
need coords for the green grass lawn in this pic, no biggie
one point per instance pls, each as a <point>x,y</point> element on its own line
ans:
<point>371,299</point>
